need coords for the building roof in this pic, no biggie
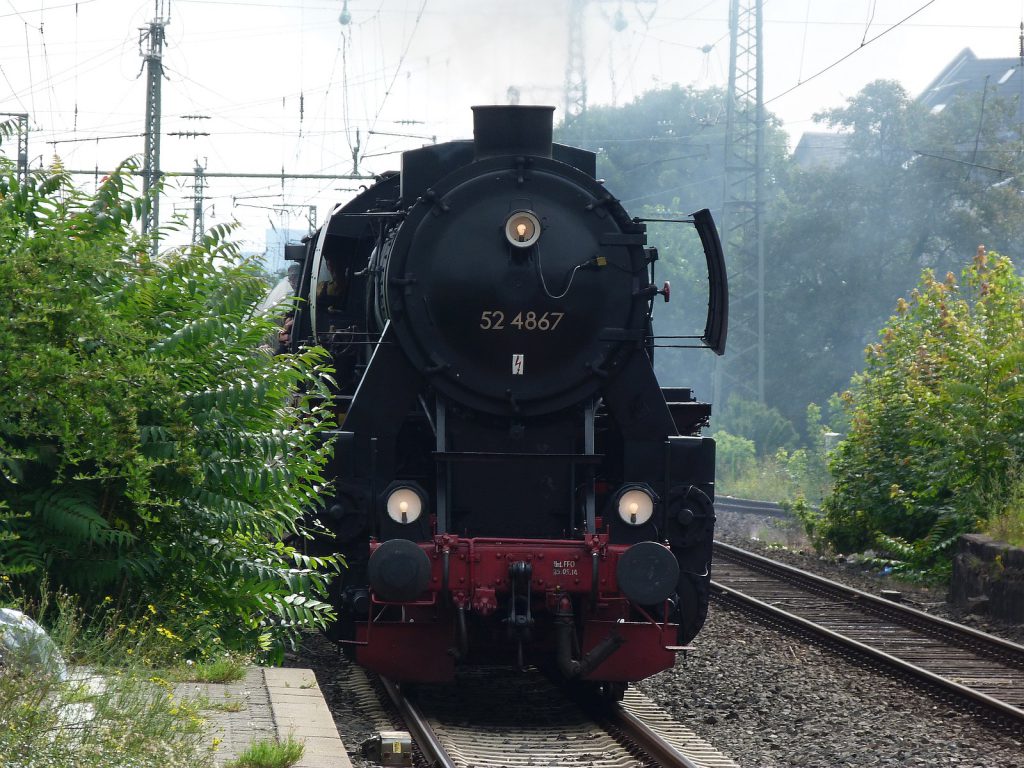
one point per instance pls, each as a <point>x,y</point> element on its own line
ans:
<point>820,148</point>
<point>966,73</point>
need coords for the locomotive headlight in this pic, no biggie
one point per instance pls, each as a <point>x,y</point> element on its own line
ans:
<point>522,229</point>
<point>636,504</point>
<point>405,504</point>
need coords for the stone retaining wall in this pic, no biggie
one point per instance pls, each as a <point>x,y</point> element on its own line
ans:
<point>988,576</point>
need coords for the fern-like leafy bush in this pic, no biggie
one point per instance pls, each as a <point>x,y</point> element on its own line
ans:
<point>153,453</point>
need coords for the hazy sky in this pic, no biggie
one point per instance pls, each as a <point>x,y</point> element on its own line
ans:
<point>284,85</point>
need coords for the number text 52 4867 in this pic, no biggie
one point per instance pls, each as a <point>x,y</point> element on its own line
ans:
<point>495,320</point>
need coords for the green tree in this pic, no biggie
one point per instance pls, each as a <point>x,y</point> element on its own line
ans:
<point>937,422</point>
<point>663,156</point>
<point>764,425</point>
<point>666,147</point>
<point>151,453</point>
<point>845,241</point>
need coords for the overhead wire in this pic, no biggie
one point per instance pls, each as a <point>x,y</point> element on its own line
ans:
<point>16,12</point>
<point>350,51</point>
<point>803,45</point>
<point>341,54</point>
<point>72,73</point>
<point>851,53</point>
<point>50,91</point>
<point>871,18</point>
<point>28,62</point>
<point>54,79</point>
<point>346,107</point>
<point>51,79</point>
<point>74,91</point>
<point>401,61</point>
<point>11,86</point>
<point>647,36</point>
<point>1003,171</point>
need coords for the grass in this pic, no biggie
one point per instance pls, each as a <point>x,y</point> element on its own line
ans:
<point>83,723</point>
<point>1006,522</point>
<point>223,670</point>
<point>781,478</point>
<point>1008,526</point>
<point>123,714</point>
<point>227,705</point>
<point>269,753</point>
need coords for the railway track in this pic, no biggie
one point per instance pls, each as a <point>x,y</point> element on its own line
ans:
<point>522,719</point>
<point>981,671</point>
<point>750,507</point>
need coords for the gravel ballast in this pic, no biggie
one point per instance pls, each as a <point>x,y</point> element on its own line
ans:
<point>767,698</point>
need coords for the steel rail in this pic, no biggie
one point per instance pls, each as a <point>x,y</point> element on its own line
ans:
<point>913,617</point>
<point>423,735</point>
<point>750,506</point>
<point>1014,714</point>
<point>648,740</point>
<point>624,726</point>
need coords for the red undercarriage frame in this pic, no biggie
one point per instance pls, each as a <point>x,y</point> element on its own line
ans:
<point>421,641</point>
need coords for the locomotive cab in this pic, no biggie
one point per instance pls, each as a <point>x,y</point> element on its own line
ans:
<point>511,482</point>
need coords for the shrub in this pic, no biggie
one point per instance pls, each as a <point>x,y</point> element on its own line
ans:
<point>152,454</point>
<point>936,420</point>
<point>734,457</point>
<point>787,476</point>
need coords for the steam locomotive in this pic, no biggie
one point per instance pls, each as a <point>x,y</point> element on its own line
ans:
<point>511,484</point>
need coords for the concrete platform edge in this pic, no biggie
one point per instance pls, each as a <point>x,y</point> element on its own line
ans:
<point>271,702</point>
<point>300,710</point>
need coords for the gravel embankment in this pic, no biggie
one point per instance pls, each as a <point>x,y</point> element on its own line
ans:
<point>768,699</point>
<point>771,700</point>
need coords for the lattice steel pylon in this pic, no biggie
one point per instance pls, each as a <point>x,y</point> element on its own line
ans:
<point>742,371</point>
<point>198,188</point>
<point>153,35</point>
<point>22,120</point>
<point>575,65</point>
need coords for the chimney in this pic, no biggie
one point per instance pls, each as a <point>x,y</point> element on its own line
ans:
<point>512,130</point>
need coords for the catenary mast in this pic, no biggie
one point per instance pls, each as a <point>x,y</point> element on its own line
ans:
<point>153,37</point>
<point>575,66</point>
<point>743,239</point>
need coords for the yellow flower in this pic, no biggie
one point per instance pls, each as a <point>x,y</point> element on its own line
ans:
<point>168,634</point>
